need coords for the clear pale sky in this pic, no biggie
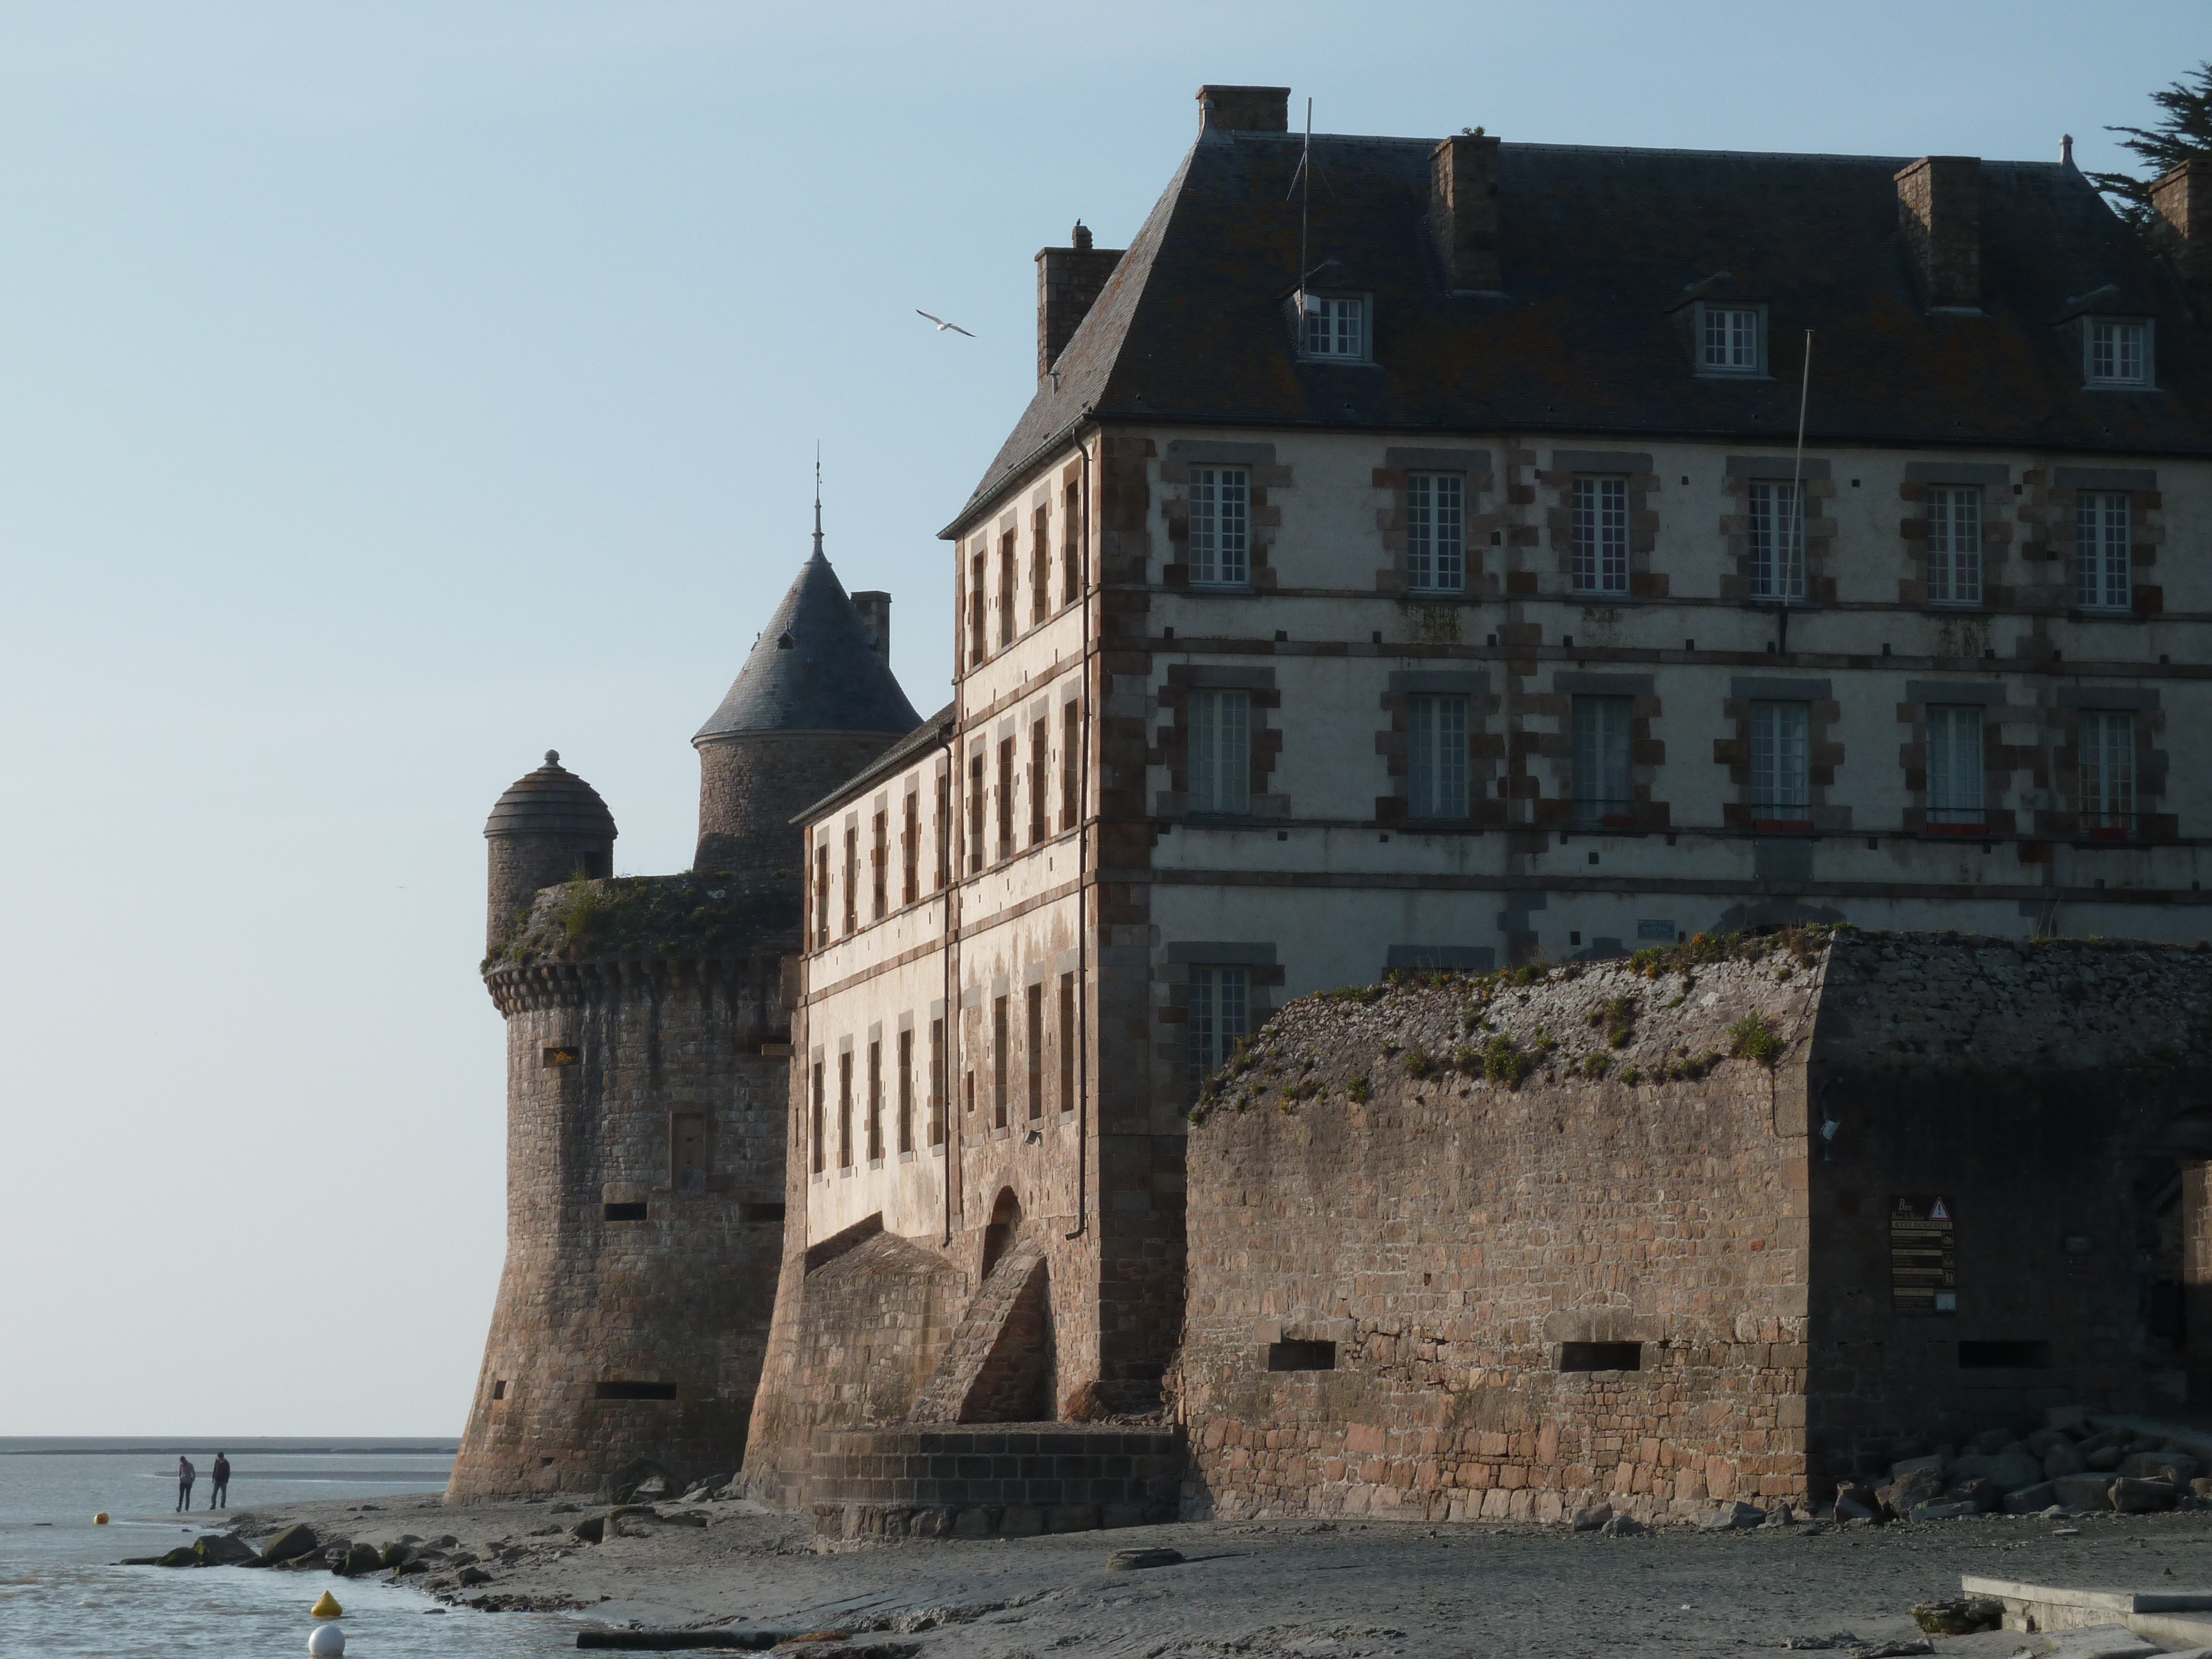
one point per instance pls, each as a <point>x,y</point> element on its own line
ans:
<point>391,391</point>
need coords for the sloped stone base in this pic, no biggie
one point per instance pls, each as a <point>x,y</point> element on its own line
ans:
<point>991,1481</point>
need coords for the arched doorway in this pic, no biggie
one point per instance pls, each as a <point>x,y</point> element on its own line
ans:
<point>1004,1224</point>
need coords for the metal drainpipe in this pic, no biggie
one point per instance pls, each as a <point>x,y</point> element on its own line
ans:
<point>1083,879</point>
<point>954,818</point>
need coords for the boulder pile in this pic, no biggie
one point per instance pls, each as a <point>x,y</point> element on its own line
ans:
<point>2065,1464</point>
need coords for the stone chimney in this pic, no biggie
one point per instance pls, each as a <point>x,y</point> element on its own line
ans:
<point>875,609</point>
<point>1069,282</point>
<point>2184,201</point>
<point>1244,109</point>
<point>1463,211</point>
<point>1939,210</point>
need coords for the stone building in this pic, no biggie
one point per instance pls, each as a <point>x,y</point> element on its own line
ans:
<point>1429,576</point>
<point>646,1025</point>
<point>1710,1224</point>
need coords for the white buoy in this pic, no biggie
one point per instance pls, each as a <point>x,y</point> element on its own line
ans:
<point>328,1642</point>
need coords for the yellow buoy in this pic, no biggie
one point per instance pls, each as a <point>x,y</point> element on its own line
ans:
<point>99,1520</point>
<point>326,1607</point>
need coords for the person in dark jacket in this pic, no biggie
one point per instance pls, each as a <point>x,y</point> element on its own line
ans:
<point>219,1494</point>
<point>186,1475</point>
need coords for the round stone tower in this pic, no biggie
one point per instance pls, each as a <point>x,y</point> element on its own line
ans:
<point>815,703</point>
<point>646,1044</point>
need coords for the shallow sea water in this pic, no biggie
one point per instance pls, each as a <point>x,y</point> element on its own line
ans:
<point>61,1593</point>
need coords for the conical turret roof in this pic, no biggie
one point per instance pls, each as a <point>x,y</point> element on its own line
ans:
<point>551,801</point>
<point>813,669</point>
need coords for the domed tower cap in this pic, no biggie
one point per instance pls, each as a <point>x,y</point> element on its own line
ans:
<point>551,801</point>
<point>814,669</point>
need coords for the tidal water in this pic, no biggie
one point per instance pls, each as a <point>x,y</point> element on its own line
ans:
<point>61,1593</point>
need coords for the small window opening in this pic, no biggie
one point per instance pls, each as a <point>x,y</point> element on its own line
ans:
<point>1302,1356</point>
<point>635,1391</point>
<point>2002,1356</point>
<point>499,1390</point>
<point>561,1054</point>
<point>1601,1356</point>
<point>624,1212</point>
<point>750,1213</point>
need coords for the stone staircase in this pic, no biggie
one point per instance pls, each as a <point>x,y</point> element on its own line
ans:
<point>997,1368</point>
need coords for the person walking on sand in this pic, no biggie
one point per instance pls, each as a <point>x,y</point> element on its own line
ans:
<point>186,1475</point>
<point>219,1493</point>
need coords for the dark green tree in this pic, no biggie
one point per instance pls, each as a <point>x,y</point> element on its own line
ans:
<point>2183,130</point>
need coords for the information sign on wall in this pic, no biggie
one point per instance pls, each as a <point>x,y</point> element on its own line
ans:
<point>1923,1256</point>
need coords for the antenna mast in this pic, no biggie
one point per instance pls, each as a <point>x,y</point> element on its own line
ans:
<point>1305,200</point>
<point>817,498</point>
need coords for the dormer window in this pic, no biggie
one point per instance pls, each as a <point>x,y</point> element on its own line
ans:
<point>1731,339</point>
<point>1336,328</point>
<point>2118,351</point>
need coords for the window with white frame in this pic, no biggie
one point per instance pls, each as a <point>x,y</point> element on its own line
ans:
<point>1435,756</point>
<point>1218,1015</point>
<point>2102,578</point>
<point>2118,351</point>
<point>1954,765</point>
<point>1954,546</point>
<point>1221,527</point>
<point>1780,776</point>
<point>1600,527</point>
<point>1604,793</point>
<point>1728,340</point>
<point>1436,532</point>
<point>1336,328</point>
<point>2107,743</point>
<point>1220,753</point>
<point>1778,540</point>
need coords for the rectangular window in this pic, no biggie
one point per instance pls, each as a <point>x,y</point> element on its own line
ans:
<point>977,643</point>
<point>1335,328</point>
<point>1781,795</point>
<point>1005,590</point>
<point>1220,752</point>
<point>943,827</point>
<point>2108,773</point>
<point>820,1152</point>
<point>1728,342</point>
<point>1040,566</point>
<point>1221,527</point>
<point>875,1102</point>
<point>999,1059</point>
<point>1005,798</point>
<point>975,810</point>
<point>1778,541</point>
<point>852,881</point>
<point>1604,793</point>
<point>1436,532</point>
<point>1601,1356</point>
<point>1040,783</point>
<point>845,1109</point>
<point>1219,998</point>
<point>2119,352</point>
<point>905,1090</point>
<point>2101,577</point>
<point>687,1151</point>
<point>1954,767</point>
<point>1294,1355</point>
<point>1067,1042</point>
<point>1954,546</point>
<point>1035,1055</point>
<point>911,849</point>
<point>821,893</point>
<point>1071,547</point>
<point>1435,756</point>
<point>1600,527</point>
<point>1070,764</point>
<point>937,1082</point>
<point>879,866</point>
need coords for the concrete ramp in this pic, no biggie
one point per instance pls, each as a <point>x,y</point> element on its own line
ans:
<point>2170,1620</point>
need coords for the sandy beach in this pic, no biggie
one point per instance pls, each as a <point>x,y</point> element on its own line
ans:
<point>1347,1590</point>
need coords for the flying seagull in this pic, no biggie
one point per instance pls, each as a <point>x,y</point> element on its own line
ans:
<point>941,324</point>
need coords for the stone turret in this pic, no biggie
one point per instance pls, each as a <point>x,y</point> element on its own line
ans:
<point>549,826</point>
<point>815,702</point>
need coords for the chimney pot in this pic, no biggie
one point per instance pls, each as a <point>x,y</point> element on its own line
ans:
<point>875,609</point>
<point>1463,211</point>
<point>2183,200</point>
<point>1939,211</point>
<point>1244,109</point>
<point>1081,237</point>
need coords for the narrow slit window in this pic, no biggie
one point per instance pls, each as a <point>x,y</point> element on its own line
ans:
<point>2102,578</point>
<point>633,1391</point>
<point>820,895</point>
<point>1955,786</point>
<point>1601,1356</point>
<point>1778,540</point>
<point>879,867</point>
<point>1295,1356</point>
<point>819,1133</point>
<point>937,1083</point>
<point>1604,793</point>
<point>1600,533</point>
<point>851,882</point>
<point>1001,1060</point>
<point>1040,784</point>
<point>1220,752</point>
<point>1005,798</point>
<point>875,1102</point>
<point>1221,527</point>
<point>1067,1042</point>
<point>1218,1008</point>
<point>845,1109</point>
<point>1006,581</point>
<point>1040,566</point>
<point>1071,549</point>
<point>1781,794</point>
<point>1436,532</point>
<point>1035,1057</point>
<point>623,1212</point>
<point>687,1151</point>
<point>911,849</point>
<point>944,828</point>
<point>1070,764</point>
<point>906,1091</point>
<point>1435,756</point>
<point>2004,1356</point>
<point>975,791</point>
<point>979,644</point>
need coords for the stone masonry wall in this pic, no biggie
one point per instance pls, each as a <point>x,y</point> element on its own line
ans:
<point>751,787</point>
<point>1373,1176</point>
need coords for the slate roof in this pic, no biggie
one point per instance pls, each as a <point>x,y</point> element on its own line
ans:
<point>1599,248</point>
<point>938,728</point>
<point>812,670</point>
<point>551,801</point>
